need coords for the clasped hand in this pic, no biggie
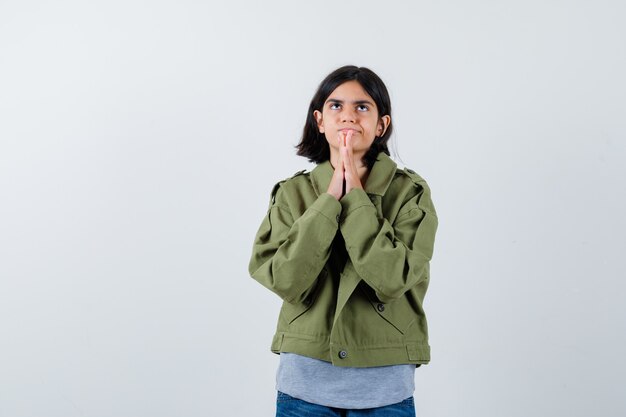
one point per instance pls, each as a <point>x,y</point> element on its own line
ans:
<point>346,176</point>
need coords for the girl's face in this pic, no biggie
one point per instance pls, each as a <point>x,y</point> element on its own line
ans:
<point>349,107</point>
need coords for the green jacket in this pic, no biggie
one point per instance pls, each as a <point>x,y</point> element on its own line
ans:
<point>352,273</point>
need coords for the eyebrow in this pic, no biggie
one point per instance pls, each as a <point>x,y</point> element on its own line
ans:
<point>334,100</point>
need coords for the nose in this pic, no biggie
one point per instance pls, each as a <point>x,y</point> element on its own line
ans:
<point>348,115</point>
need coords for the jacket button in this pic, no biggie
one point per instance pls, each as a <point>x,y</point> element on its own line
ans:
<point>343,354</point>
<point>380,307</point>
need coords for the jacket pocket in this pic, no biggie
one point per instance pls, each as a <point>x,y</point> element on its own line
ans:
<point>291,311</point>
<point>398,313</point>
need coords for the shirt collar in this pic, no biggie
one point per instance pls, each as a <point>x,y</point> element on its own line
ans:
<point>377,182</point>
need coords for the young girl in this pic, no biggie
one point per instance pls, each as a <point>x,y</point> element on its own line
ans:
<point>347,247</point>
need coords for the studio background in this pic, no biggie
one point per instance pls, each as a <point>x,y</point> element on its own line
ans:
<point>139,142</point>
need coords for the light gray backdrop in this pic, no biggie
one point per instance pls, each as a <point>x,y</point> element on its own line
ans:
<point>139,141</point>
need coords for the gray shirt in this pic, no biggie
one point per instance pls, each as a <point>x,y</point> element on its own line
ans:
<point>321,382</point>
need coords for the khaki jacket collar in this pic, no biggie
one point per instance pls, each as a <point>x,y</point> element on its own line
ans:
<point>377,182</point>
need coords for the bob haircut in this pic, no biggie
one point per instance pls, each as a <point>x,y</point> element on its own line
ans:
<point>313,144</point>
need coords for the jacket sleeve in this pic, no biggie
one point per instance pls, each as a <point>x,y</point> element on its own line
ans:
<point>287,255</point>
<point>390,258</point>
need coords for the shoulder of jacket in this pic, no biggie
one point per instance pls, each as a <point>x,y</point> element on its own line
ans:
<point>414,176</point>
<point>279,183</point>
<point>298,173</point>
<point>423,187</point>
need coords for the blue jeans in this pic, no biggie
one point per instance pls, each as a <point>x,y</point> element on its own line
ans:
<point>288,406</point>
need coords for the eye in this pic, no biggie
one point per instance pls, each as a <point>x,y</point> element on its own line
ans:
<point>363,107</point>
<point>334,106</point>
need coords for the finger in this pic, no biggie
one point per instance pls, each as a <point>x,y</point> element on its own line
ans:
<point>349,162</point>
<point>349,147</point>
<point>339,138</point>
<point>345,157</point>
<point>340,142</point>
<point>348,140</point>
<point>347,150</point>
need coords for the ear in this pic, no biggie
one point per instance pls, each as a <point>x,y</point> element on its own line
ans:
<point>383,124</point>
<point>320,122</point>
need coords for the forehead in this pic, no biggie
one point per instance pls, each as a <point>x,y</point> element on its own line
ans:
<point>350,91</point>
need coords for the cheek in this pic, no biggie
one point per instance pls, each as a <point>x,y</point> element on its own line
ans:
<point>332,141</point>
<point>373,128</point>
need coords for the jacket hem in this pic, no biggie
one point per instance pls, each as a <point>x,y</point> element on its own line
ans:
<point>417,353</point>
